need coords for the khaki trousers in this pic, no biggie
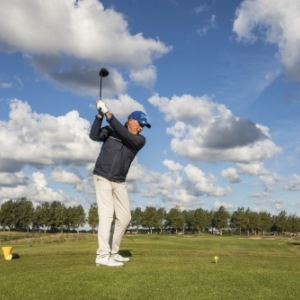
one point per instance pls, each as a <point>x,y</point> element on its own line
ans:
<point>112,198</point>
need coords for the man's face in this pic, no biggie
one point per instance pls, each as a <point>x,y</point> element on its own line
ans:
<point>134,126</point>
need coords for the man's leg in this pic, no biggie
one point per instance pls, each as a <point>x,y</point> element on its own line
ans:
<point>123,215</point>
<point>105,212</point>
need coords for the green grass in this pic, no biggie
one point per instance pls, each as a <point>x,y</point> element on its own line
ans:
<point>161,267</point>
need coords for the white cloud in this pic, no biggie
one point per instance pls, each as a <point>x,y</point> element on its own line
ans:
<point>86,34</point>
<point>13,179</point>
<point>29,138</point>
<point>204,184</point>
<point>278,205</point>
<point>227,206</point>
<point>61,175</point>
<point>172,166</point>
<point>210,24</point>
<point>259,195</point>
<point>276,22</point>
<point>208,131</point>
<point>252,168</point>
<point>270,181</point>
<point>5,85</point>
<point>231,175</point>
<point>123,106</point>
<point>295,184</point>
<point>200,9</point>
<point>36,189</point>
<point>145,77</point>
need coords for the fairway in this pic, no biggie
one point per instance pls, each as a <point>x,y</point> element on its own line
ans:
<point>162,267</point>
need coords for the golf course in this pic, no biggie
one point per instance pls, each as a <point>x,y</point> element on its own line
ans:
<point>61,266</point>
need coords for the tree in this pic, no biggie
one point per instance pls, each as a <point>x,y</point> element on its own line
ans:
<point>293,224</point>
<point>281,221</point>
<point>161,212</point>
<point>77,217</point>
<point>136,218</point>
<point>220,219</point>
<point>93,218</point>
<point>150,218</point>
<point>266,221</point>
<point>201,219</point>
<point>7,214</point>
<point>42,216</point>
<point>175,218</point>
<point>23,214</point>
<point>58,215</point>
<point>238,219</point>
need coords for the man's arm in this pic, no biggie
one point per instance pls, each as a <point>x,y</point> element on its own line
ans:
<point>97,133</point>
<point>132,141</point>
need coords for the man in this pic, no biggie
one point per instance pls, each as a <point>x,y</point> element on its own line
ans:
<point>120,146</point>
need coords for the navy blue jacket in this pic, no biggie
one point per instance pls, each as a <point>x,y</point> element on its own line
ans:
<point>118,150</point>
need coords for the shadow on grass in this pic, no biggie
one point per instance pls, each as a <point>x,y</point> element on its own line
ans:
<point>125,253</point>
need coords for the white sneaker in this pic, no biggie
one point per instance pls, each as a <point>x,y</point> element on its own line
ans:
<point>118,257</point>
<point>108,262</point>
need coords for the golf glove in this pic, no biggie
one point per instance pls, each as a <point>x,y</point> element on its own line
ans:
<point>101,107</point>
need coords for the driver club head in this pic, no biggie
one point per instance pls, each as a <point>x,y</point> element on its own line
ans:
<point>103,72</point>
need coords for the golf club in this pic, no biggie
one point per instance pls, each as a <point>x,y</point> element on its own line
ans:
<point>103,73</point>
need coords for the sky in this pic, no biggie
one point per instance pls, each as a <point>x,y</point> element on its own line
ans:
<point>219,81</point>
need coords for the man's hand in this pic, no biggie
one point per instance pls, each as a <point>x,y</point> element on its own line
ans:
<point>101,107</point>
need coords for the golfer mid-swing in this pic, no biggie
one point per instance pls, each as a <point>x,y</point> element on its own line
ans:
<point>120,146</point>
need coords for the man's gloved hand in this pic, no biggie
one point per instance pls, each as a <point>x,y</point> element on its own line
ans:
<point>101,107</point>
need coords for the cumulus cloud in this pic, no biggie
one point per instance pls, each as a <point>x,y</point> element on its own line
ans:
<point>85,34</point>
<point>278,205</point>
<point>270,181</point>
<point>295,184</point>
<point>217,205</point>
<point>275,22</point>
<point>172,166</point>
<point>29,138</point>
<point>204,184</point>
<point>252,168</point>
<point>36,189</point>
<point>205,130</point>
<point>179,185</point>
<point>61,175</point>
<point>123,106</point>
<point>231,175</point>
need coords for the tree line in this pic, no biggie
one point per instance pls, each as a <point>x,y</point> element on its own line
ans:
<point>20,214</point>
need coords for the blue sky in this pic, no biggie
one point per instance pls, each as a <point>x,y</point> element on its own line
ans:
<point>219,81</point>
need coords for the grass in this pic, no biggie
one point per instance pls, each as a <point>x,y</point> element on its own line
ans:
<point>162,267</point>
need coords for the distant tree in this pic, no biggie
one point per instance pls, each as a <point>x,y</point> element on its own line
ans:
<point>175,218</point>
<point>7,214</point>
<point>161,212</point>
<point>58,214</point>
<point>42,217</point>
<point>220,218</point>
<point>202,219</point>
<point>281,221</point>
<point>93,218</point>
<point>255,221</point>
<point>238,219</point>
<point>150,218</point>
<point>136,218</point>
<point>188,216</point>
<point>77,217</point>
<point>293,224</point>
<point>24,211</point>
<point>266,221</point>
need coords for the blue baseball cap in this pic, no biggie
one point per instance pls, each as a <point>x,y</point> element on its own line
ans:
<point>140,117</point>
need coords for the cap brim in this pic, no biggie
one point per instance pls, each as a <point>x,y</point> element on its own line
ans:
<point>147,125</point>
